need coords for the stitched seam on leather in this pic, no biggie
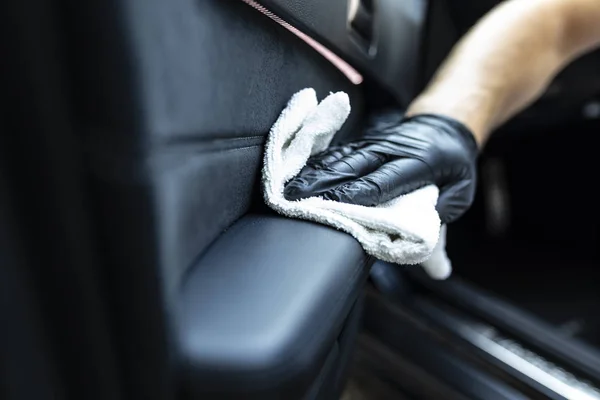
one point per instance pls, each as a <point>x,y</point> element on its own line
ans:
<point>132,145</point>
<point>179,141</point>
<point>139,168</point>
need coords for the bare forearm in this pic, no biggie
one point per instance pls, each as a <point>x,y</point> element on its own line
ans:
<point>508,59</point>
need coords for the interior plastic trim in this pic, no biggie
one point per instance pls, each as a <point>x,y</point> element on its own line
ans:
<point>544,376</point>
<point>536,333</point>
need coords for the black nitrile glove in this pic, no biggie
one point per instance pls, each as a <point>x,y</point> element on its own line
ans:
<point>396,157</point>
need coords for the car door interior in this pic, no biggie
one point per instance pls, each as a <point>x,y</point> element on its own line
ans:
<point>211,299</point>
<point>209,294</point>
<point>383,38</point>
<point>139,260</point>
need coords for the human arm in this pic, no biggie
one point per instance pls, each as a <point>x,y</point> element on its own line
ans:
<point>508,60</point>
<point>502,65</point>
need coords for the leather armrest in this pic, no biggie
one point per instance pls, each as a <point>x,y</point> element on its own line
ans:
<point>260,311</point>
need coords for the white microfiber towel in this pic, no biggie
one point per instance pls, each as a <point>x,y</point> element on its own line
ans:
<point>403,231</point>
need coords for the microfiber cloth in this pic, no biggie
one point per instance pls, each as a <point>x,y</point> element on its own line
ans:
<point>404,230</point>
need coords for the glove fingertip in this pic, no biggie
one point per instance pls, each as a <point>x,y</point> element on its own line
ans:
<point>294,190</point>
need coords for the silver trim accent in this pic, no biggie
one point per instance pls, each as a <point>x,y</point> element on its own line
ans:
<point>526,367</point>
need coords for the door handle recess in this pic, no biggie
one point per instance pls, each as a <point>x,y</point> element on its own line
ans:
<point>360,21</point>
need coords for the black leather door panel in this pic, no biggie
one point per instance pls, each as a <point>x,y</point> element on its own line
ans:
<point>173,101</point>
<point>393,54</point>
<point>259,312</point>
<point>185,70</point>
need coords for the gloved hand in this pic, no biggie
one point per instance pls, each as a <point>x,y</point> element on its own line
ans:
<point>396,156</point>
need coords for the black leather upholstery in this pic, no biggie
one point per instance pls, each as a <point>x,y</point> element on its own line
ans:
<point>173,101</point>
<point>261,309</point>
<point>391,58</point>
